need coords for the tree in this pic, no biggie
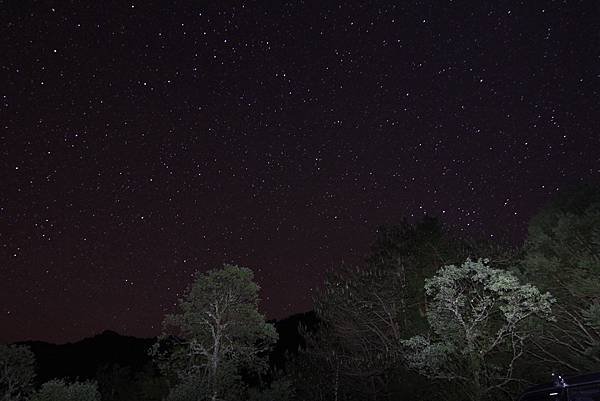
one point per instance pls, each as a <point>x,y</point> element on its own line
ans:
<point>218,333</point>
<point>280,389</point>
<point>404,255</point>
<point>480,320</point>
<point>58,390</point>
<point>16,372</point>
<point>115,382</point>
<point>562,255</point>
<point>366,311</point>
<point>122,383</point>
<point>150,385</point>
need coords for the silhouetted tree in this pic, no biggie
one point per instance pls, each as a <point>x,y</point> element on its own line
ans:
<point>562,255</point>
<point>149,384</point>
<point>280,389</point>
<point>115,382</point>
<point>366,311</point>
<point>17,372</point>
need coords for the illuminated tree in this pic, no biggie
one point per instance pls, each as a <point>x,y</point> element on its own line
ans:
<point>480,320</point>
<point>218,331</point>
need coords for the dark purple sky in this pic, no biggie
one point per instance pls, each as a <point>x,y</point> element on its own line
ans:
<point>141,141</point>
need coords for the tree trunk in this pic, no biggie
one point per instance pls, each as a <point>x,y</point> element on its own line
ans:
<point>476,386</point>
<point>337,380</point>
<point>402,274</point>
<point>215,366</point>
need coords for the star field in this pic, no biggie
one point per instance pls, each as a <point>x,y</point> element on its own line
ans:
<point>142,141</point>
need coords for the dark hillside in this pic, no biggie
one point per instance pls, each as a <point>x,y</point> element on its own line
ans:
<point>82,359</point>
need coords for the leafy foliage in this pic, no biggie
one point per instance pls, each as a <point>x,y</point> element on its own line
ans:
<point>58,390</point>
<point>480,320</point>
<point>218,332</point>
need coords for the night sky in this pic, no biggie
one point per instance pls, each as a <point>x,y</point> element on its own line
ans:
<point>142,141</point>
